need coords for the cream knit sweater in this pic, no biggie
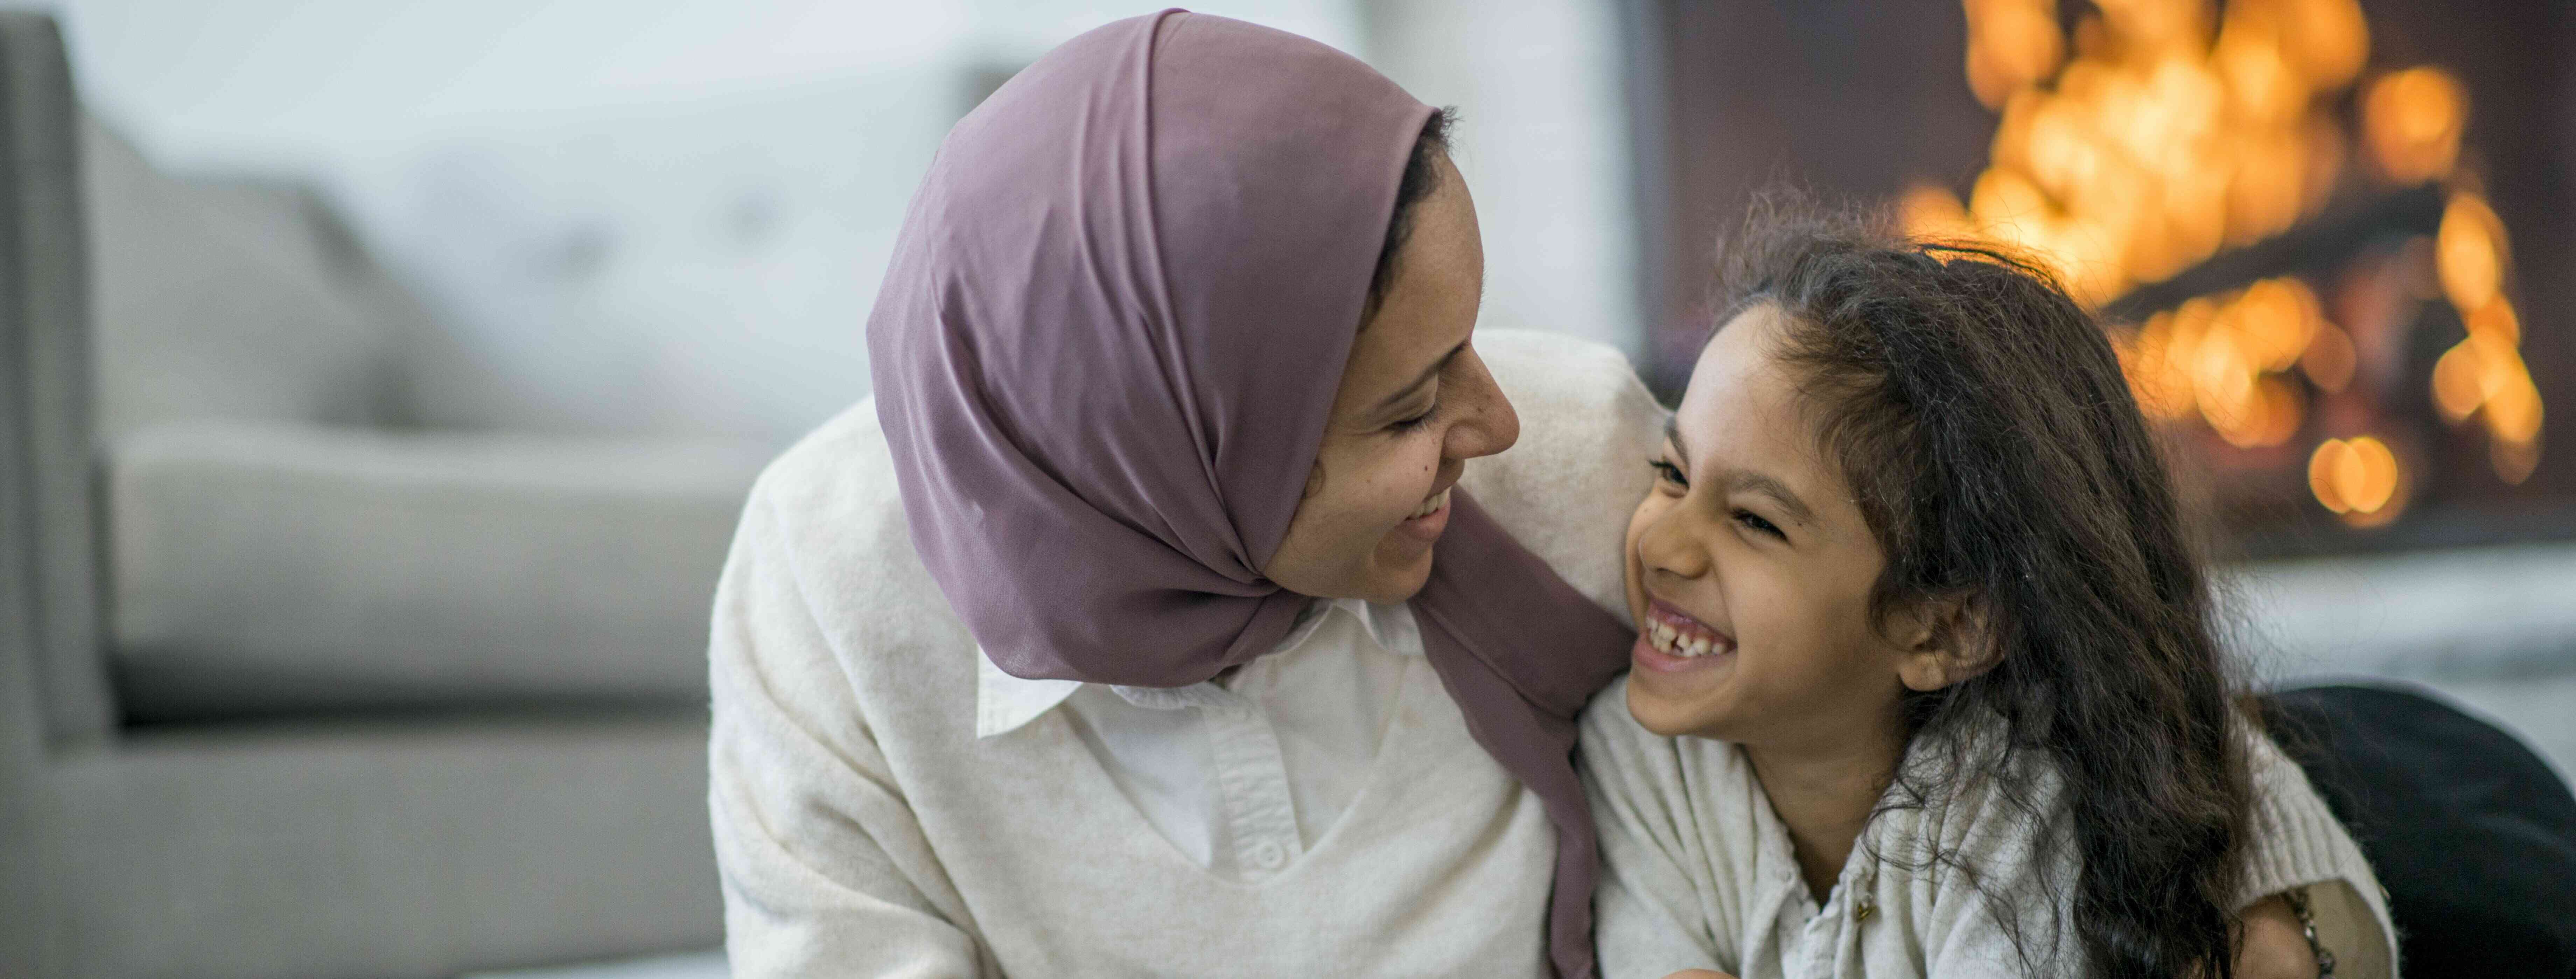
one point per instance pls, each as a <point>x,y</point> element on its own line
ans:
<point>863,829</point>
<point>1698,872</point>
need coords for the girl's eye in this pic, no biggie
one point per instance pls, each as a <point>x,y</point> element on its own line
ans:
<point>1754,522</point>
<point>1669,473</point>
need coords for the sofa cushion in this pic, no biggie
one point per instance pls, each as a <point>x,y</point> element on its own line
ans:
<point>267,569</point>
<point>229,299</point>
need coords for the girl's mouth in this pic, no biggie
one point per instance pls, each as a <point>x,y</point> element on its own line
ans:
<point>1676,639</point>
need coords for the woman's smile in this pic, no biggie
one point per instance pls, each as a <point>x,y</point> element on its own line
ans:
<point>1430,519</point>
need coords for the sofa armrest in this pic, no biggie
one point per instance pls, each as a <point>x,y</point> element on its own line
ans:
<point>47,514</point>
<point>261,568</point>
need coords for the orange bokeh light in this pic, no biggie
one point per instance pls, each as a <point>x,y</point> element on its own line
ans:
<point>2458,385</point>
<point>2164,130</point>
<point>2011,43</point>
<point>2469,252</point>
<point>2413,120</point>
<point>2330,359</point>
<point>2153,146</point>
<point>2498,319</point>
<point>2513,461</point>
<point>2357,478</point>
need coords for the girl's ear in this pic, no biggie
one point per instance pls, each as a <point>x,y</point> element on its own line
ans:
<point>1946,640</point>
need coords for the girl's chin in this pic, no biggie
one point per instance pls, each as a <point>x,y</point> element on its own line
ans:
<point>1672,695</point>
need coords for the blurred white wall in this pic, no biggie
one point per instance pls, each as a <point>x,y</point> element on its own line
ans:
<point>1543,141</point>
<point>671,216</point>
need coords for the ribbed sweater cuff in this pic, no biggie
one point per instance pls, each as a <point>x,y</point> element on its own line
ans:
<point>2298,842</point>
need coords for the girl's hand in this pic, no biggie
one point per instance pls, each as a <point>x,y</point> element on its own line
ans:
<point>2275,946</point>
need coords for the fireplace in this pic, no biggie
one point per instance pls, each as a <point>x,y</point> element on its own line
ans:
<point>2330,240</point>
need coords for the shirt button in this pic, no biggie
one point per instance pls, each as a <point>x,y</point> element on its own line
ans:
<point>1269,855</point>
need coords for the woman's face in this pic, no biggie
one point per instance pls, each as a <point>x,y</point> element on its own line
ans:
<point>1414,405</point>
<point>1750,568</point>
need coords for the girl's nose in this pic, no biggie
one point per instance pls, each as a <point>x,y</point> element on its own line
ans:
<point>1672,544</point>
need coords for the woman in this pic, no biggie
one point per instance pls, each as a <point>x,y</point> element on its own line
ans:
<point>1150,623</point>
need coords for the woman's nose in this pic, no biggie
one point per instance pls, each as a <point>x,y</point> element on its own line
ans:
<point>1487,424</point>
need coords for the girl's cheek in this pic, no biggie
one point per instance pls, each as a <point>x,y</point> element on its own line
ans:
<point>1634,562</point>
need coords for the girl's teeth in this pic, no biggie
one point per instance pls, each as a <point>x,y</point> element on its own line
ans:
<point>1672,641</point>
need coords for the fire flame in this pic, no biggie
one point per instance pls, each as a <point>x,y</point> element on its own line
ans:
<point>2157,144</point>
<point>2164,131</point>
<point>2226,358</point>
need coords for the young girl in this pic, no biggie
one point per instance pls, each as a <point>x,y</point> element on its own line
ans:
<point>1927,683</point>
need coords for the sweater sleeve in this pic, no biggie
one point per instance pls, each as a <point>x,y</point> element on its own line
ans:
<point>825,869</point>
<point>1652,904</point>
<point>2293,841</point>
<point>2297,842</point>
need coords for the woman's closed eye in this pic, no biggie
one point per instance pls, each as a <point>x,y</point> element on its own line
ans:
<point>1416,422</point>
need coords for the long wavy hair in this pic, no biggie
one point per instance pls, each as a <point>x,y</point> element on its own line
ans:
<point>1981,418</point>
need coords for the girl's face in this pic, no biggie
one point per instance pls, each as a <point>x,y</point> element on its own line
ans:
<point>1414,405</point>
<point>1750,569</point>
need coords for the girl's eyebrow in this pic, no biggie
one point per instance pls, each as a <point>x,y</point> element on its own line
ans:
<point>1754,482</point>
<point>1743,479</point>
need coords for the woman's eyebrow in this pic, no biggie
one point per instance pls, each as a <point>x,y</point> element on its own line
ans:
<point>1427,374</point>
<point>1673,437</point>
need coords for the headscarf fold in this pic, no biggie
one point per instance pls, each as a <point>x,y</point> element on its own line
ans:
<point>1104,354</point>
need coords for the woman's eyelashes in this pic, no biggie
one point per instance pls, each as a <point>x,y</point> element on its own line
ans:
<point>1416,422</point>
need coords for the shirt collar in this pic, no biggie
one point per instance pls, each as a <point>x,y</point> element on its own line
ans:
<point>1003,703</point>
<point>1006,703</point>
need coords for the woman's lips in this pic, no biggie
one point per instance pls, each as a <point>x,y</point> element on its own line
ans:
<point>1427,522</point>
<point>1670,639</point>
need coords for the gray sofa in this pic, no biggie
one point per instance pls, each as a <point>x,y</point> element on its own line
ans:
<point>289,684</point>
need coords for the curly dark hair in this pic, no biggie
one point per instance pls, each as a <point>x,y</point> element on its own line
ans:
<point>1982,421</point>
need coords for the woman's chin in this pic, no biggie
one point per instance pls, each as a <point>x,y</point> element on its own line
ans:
<point>1398,569</point>
<point>1396,585</point>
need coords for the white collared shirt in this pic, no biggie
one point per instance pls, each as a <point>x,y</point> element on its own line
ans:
<point>1244,772</point>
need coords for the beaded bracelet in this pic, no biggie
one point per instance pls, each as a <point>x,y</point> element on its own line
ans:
<point>2298,897</point>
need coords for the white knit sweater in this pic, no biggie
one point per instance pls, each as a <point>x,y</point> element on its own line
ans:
<point>864,830</point>
<point>1699,872</point>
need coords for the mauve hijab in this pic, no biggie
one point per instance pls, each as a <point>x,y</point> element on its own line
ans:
<point>1104,353</point>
